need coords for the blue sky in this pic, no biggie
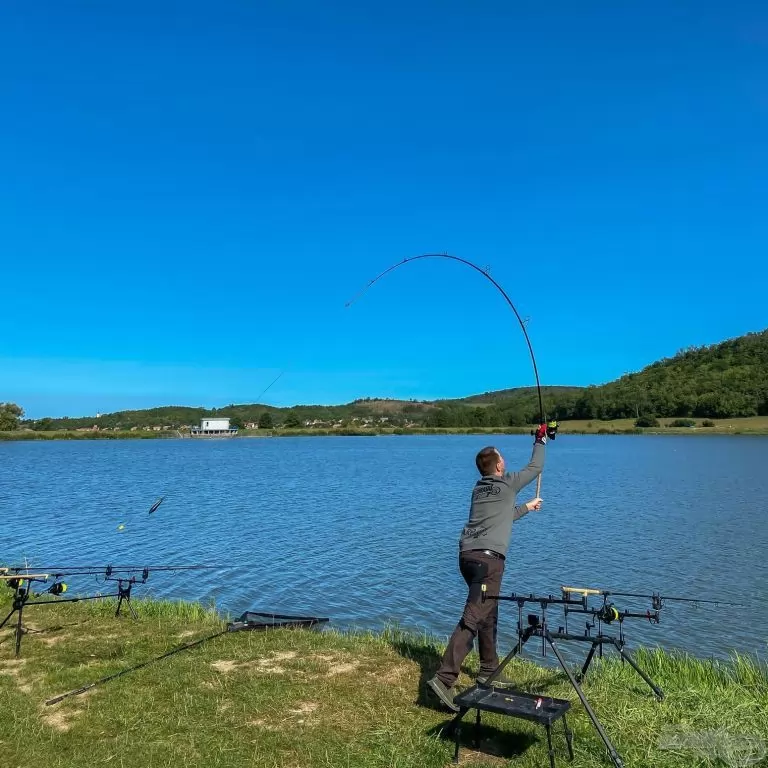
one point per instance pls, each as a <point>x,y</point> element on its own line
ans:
<point>190,192</point>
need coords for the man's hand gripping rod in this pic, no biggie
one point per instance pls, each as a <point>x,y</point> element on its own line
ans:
<point>544,432</point>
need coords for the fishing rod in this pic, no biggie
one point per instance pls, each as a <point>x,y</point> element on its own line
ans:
<point>249,621</point>
<point>115,675</point>
<point>97,570</point>
<point>486,274</point>
<point>269,386</point>
<point>537,625</point>
<point>658,600</point>
<point>21,580</point>
<point>552,430</point>
<point>24,598</point>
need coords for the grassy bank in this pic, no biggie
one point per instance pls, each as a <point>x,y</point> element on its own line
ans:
<point>755,425</point>
<point>304,699</point>
<point>72,434</point>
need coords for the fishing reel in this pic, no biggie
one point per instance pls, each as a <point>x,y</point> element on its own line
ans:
<point>23,594</point>
<point>57,588</point>
<point>608,613</point>
<point>551,430</point>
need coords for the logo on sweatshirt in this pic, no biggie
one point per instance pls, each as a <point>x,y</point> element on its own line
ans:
<point>485,491</point>
<point>474,533</point>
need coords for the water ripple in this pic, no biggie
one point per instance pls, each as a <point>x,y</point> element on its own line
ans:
<point>365,529</point>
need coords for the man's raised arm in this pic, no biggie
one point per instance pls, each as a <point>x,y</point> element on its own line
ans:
<point>520,479</point>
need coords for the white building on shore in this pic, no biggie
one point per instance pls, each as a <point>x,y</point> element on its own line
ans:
<point>213,427</point>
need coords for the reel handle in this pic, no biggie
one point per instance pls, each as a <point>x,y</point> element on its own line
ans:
<point>551,434</point>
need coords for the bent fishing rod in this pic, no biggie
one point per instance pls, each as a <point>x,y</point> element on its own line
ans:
<point>486,274</point>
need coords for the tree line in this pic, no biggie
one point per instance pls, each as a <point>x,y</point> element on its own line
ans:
<point>724,380</point>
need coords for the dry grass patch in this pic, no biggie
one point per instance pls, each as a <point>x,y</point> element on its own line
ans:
<point>398,674</point>
<point>265,725</point>
<point>343,668</point>
<point>60,720</point>
<point>268,664</point>
<point>53,640</point>
<point>468,756</point>
<point>14,668</point>
<point>225,666</point>
<point>333,664</point>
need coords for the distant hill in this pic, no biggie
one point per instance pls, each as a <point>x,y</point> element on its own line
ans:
<point>519,393</point>
<point>723,380</point>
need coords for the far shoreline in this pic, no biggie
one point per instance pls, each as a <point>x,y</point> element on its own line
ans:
<point>754,426</point>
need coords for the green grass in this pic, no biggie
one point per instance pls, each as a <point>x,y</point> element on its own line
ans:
<point>307,699</point>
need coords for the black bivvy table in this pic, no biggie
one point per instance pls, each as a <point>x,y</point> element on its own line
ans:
<point>505,701</point>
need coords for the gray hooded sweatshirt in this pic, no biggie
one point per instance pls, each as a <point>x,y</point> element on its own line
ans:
<point>493,509</point>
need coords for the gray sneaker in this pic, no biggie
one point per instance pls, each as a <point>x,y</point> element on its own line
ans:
<point>443,693</point>
<point>502,681</point>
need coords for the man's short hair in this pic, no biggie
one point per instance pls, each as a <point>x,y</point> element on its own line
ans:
<point>486,460</point>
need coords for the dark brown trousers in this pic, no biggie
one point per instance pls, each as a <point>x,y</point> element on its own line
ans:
<point>479,619</point>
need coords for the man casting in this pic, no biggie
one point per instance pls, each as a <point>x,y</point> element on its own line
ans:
<point>482,553</point>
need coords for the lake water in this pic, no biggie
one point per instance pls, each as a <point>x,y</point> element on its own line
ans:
<point>365,530</point>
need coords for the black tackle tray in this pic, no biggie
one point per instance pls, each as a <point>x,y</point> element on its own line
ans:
<point>506,701</point>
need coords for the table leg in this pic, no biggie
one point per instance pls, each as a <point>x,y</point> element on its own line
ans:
<point>549,746</point>
<point>568,738</point>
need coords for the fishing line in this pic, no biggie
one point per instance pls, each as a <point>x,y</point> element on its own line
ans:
<point>487,276</point>
<point>268,386</point>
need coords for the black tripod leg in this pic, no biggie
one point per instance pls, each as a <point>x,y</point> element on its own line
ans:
<point>549,746</point>
<point>588,661</point>
<point>127,597</point>
<point>527,635</point>
<point>5,620</point>
<point>19,631</point>
<point>455,728</point>
<point>626,656</point>
<point>614,755</point>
